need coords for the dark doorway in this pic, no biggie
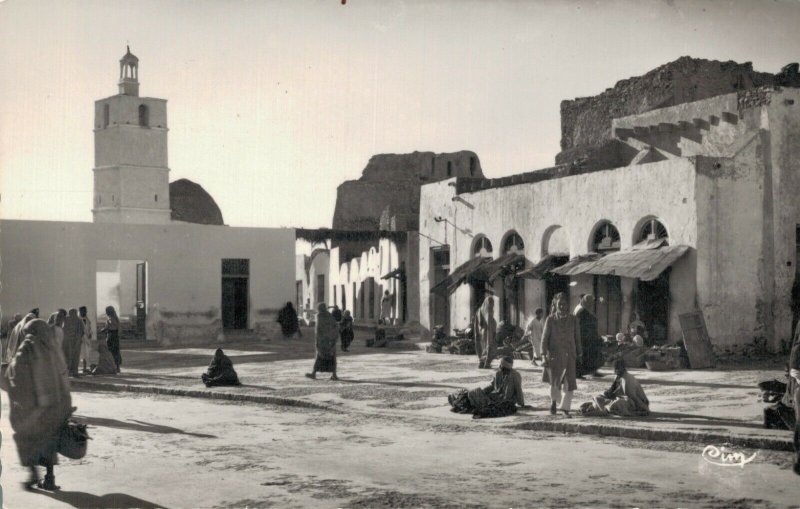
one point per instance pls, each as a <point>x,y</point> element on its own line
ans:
<point>235,301</point>
<point>513,299</point>
<point>362,299</point>
<point>652,304</point>
<point>553,285</point>
<point>298,302</point>
<point>355,302</point>
<point>371,289</point>
<point>608,304</point>
<point>403,289</point>
<point>141,300</point>
<point>344,299</point>
<point>440,258</point>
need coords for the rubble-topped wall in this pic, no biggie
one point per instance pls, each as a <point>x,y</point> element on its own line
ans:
<point>586,121</point>
<point>393,180</point>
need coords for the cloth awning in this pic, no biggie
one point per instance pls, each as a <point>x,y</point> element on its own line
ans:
<point>644,264</point>
<point>397,273</point>
<point>506,264</point>
<point>545,265</point>
<point>573,267</point>
<point>461,274</point>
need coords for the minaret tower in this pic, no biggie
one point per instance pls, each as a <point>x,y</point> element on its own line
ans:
<point>131,176</point>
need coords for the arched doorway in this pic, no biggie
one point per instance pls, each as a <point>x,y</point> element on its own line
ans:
<point>555,242</point>
<point>481,247</point>
<point>652,298</point>
<point>605,239</point>
<point>512,301</point>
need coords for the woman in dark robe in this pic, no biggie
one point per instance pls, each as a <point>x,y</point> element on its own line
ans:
<point>346,330</point>
<point>106,364</point>
<point>290,325</point>
<point>112,335</point>
<point>40,401</point>
<point>326,331</point>
<point>73,337</point>
<point>220,372</point>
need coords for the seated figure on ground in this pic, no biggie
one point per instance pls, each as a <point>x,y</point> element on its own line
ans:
<point>625,397</point>
<point>497,400</point>
<point>220,372</point>
<point>105,364</point>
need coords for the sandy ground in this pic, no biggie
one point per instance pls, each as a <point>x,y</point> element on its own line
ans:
<point>398,383</point>
<point>156,451</point>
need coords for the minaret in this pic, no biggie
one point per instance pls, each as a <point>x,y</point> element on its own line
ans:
<point>131,176</point>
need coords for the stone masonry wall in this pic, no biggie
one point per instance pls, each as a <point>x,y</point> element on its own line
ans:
<point>586,121</point>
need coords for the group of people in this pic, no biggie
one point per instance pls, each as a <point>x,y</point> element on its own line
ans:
<point>568,347</point>
<point>73,333</point>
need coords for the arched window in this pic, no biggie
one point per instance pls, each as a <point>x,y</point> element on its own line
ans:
<point>106,115</point>
<point>144,119</point>
<point>513,244</point>
<point>483,247</point>
<point>605,238</point>
<point>652,229</point>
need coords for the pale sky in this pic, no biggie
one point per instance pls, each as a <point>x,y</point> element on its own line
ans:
<point>272,104</point>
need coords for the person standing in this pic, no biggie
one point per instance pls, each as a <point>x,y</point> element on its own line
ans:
<point>73,339</point>
<point>485,329</point>
<point>561,348</point>
<point>326,331</point>
<point>86,341</point>
<point>56,321</point>
<point>591,345</point>
<point>112,335</point>
<point>346,331</point>
<point>386,308</point>
<point>40,401</point>
<point>533,332</point>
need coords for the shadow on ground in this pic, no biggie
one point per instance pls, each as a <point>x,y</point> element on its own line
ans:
<point>136,426</point>
<point>110,500</point>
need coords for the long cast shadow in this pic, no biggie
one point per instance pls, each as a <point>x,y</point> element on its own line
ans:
<point>651,381</point>
<point>135,425</point>
<point>401,384</point>
<point>679,418</point>
<point>83,500</point>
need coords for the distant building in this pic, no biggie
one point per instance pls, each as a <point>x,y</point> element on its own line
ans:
<point>158,252</point>
<point>373,245</point>
<point>691,206</point>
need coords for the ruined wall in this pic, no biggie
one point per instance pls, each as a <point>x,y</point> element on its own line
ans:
<point>586,121</point>
<point>393,180</point>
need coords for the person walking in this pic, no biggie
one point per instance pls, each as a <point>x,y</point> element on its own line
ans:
<point>326,331</point>
<point>485,330</point>
<point>39,401</point>
<point>561,348</point>
<point>112,335</point>
<point>86,341</point>
<point>56,322</point>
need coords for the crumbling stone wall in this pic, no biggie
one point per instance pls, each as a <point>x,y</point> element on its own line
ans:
<point>393,180</point>
<point>586,121</point>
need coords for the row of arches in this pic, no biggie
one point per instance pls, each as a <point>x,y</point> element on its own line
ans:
<point>605,238</point>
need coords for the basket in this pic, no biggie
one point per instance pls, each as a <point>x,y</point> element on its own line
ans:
<point>72,440</point>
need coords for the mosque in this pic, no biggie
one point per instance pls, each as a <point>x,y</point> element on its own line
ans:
<point>156,251</point>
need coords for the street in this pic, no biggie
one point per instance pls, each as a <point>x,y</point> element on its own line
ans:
<point>155,451</point>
